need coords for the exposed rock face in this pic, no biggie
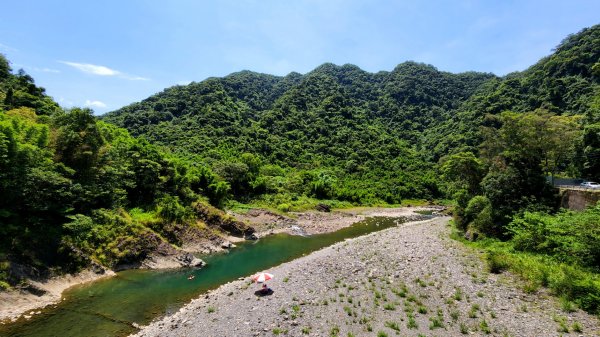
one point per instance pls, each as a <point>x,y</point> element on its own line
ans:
<point>97,268</point>
<point>579,199</point>
<point>33,289</point>
<point>216,218</point>
<point>189,260</point>
<point>235,227</point>
<point>18,272</point>
<point>183,240</point>
<point>252,236</point>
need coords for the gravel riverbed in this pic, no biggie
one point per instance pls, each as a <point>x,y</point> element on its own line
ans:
<point>407,280</point>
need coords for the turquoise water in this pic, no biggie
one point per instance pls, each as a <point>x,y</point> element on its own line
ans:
<point>109,307</point>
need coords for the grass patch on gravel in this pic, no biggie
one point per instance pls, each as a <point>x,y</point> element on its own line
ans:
<point>458,295</point>
<point>389,306</point>
<point>392,325</point>
<point>577,327</point>
<point>437,321</point>
<point>411,323</point>
<point>473,311</point>
<point>572,283</point>
<point>484,327</point>
<point>464,329</point>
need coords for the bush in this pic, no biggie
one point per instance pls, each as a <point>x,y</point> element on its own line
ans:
<point>4,285</point>
<point>170,209</point>
<point>284,207</point>
<point>572,237</point>
<point>478,215</point>
<point>581,287</point>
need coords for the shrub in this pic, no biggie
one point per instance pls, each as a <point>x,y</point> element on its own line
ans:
<point>572,237</point>
<point>170,209</point>
<point>4,285</point>
<point>284,207</point>
<point>478,214</point>
<point>392,325</point>
<point>497,261</point>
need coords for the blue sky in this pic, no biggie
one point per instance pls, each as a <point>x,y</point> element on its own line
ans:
<point>107,54</point>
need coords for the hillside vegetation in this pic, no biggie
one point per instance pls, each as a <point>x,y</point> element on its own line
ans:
<point>77,191</point>
<point>337,132</point>
<point>108,191</point>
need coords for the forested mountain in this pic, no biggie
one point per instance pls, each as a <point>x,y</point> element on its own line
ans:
<point>410,99</point>
<point>356,129</point>
<point>339,123</point>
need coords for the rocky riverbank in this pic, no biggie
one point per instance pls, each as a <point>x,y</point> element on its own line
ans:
<point>39,293</point>
<point>314,222</point>
<point>29,302</point>
<point>411,279</point>
<point>35,293</point>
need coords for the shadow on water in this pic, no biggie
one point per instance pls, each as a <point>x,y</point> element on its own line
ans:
<point>112,307</point>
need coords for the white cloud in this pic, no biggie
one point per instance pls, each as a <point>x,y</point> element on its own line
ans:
<point>184,82</point>
<point>102,71</point>
<point>94,104</point>
<point>92,68</point>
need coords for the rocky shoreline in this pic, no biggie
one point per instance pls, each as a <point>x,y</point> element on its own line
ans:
<point>405,280</point>
<point>28,302</point>
<point>315,222</point>
<point>17,303</point>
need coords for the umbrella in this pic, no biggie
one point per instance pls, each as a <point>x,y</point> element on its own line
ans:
<point>262,277</point>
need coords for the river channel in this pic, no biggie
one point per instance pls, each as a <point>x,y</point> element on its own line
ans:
<point>110,307</point>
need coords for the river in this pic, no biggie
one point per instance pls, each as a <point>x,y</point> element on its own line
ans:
<point>110,307</point>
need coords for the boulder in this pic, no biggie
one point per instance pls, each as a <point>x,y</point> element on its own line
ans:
<point>189,260</point>
<point>471,234</point>
<point>33,289</point>
<point>252,236</point>
<point>323,208</point>
<point>227,245</point>
<point>97,268</point>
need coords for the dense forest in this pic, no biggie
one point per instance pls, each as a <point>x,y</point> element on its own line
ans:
<point>79,190</point>
<point>337,132</point>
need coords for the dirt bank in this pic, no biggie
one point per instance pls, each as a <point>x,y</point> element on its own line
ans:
<point>406,280</point>
<point>15,303</point>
